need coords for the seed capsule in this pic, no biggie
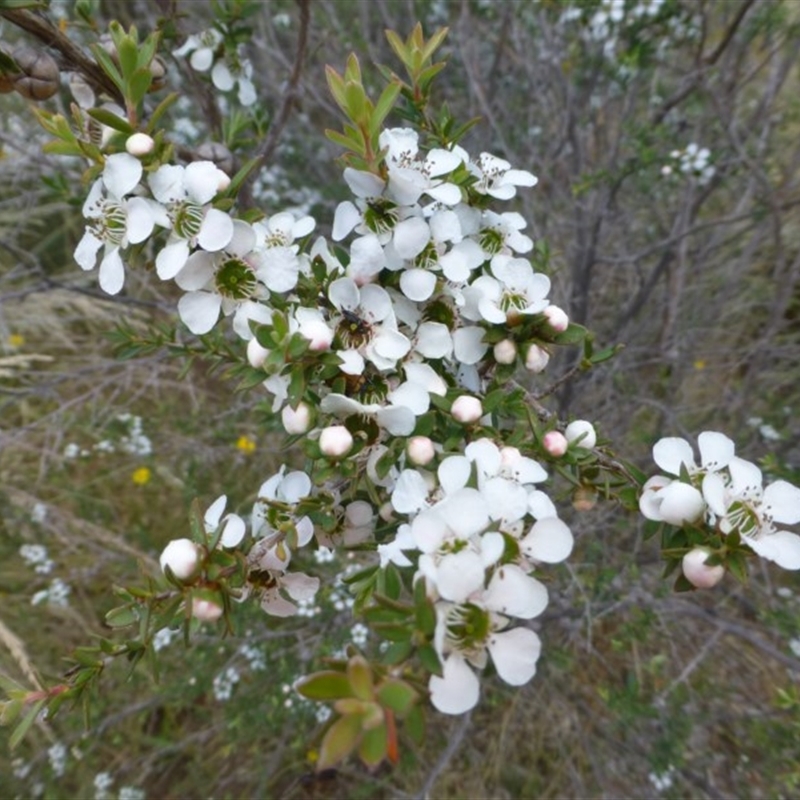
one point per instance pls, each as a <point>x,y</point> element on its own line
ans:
<point>40,75</point>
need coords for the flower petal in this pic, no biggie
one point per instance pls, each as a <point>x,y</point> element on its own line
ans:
<point>515,594</point>
<point>515,654</point>
<point>549,540</point>
<point>199,311</point>
<point>458,690</point>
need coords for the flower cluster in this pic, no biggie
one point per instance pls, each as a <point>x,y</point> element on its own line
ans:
<point>724,495</point>
<point>693,160</point>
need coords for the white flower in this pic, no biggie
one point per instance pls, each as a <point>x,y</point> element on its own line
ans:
<point>671,453</point>
<point>278,263</point>
<point>392,552</point>
<point>235,69</point>
<point>185,191</point>
<point>666,500</point>
<point>223,281</point>
<point>396,418</point>
<point>202,47</point>
<point>115,221</point>
<point>745,505</point>
<point>234,527</point>
<point>496,178</point>
<point>514,290</point>
<point>410,177</point>
<point>368,323</point>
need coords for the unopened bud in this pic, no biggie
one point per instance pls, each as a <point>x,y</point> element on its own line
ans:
<point>505,352</point>
<point>319,335</point>
<point>206,610</point>
<point>536,358</point>
<point>182,557</point>
<point>335,441</point>
<point>557,318</point>
<point>139,144</point>
<point>420,450</point>
<point>467,409</point>
<point>583,430</point>
<point>158,74</point>
<point>256,353</point>
<point>555,443</point>
<point>584,499</point>
<point>296,420</point>
<point>697,572</point>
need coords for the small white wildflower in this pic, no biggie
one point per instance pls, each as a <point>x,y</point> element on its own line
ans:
<point>323,713</point>
<point>131,793</point>
<point>39,512</point>
<point>163,638</point>
<point>57,756</point>
<point>72,450</point>
<point>324,555</point>
<point>224,683</point>
<point>102,783</point>
<point>359,634</point>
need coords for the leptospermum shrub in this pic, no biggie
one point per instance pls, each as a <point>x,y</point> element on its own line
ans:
<point>406,358</point>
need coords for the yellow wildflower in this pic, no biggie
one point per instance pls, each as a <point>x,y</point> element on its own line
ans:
<point>245,444</point>
<point>141,476</point>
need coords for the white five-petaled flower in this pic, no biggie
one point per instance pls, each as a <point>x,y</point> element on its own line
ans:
<point>743,504</point>
<point>496,178</point>
<point>116,220</point>
<point>234,527</point>
<point>223,281</point>
<point>277,261</point>
<point>185,191</point>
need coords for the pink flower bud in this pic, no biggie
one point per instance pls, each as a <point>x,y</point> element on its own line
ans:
<point>296,420</point>
<point>420,450</point>
<point>557,318</point>
<point>182,557</point>
<point>555,443</point>
<point>576,430</point>
<point>335,441</point>
<point>697,572</point>
<point>467,409</point>
<point>318,334</point>
<point>536,358</point>
<point>505,352</point>
<point>256,353</point>
<point>206,610</point>
<point>139,144</point>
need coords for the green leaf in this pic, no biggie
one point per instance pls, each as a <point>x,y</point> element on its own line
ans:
<point>397,652</point>
<point>108,66</point>
<point>327,685</point>
<point>396,695</point>
<point>359,673</point>
<point>430,660</point>
<point>574,334</point>
<point>62,149</point>
<point>384,105</point>
<point>127,51</point>
<point>414,724</point>
<point>121,617</point>
<point>25,723</point>
<point>106,117</point>
<point>159,110</point>
<point>139,84</point>
<point>372,749</point>
<point>340,740</point>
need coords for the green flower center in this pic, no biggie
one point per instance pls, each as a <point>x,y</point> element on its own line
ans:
<point>468,627</point>
<point>380,215</point>
<point>187,219</point>
<point>235,279</point>
<point>110,227</point>
<point>491,241</point>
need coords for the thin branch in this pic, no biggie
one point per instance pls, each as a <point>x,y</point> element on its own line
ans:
<point>444,759</point>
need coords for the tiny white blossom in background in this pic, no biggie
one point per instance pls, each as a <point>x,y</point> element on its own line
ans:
<point>36,556</point>
<point>131,793</point>
<point>255,656</point>
<point>359,634</point>
<point>55,595</point>
<point>163,638</point>
<point>662,780</point>
<point>57,756</point>
<point>102,783</point>
<point>224,684</point>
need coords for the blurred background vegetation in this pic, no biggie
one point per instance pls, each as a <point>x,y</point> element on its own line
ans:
<point>690,258</point>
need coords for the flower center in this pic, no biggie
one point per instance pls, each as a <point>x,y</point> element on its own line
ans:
<point>428,258</point>
<point>468,628</point>
<point>235,279</point>
<point>380,215</point>
<point>186,219</point>
<point>353,331</point>
<point>110,227</point>
<point>491,241</point>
